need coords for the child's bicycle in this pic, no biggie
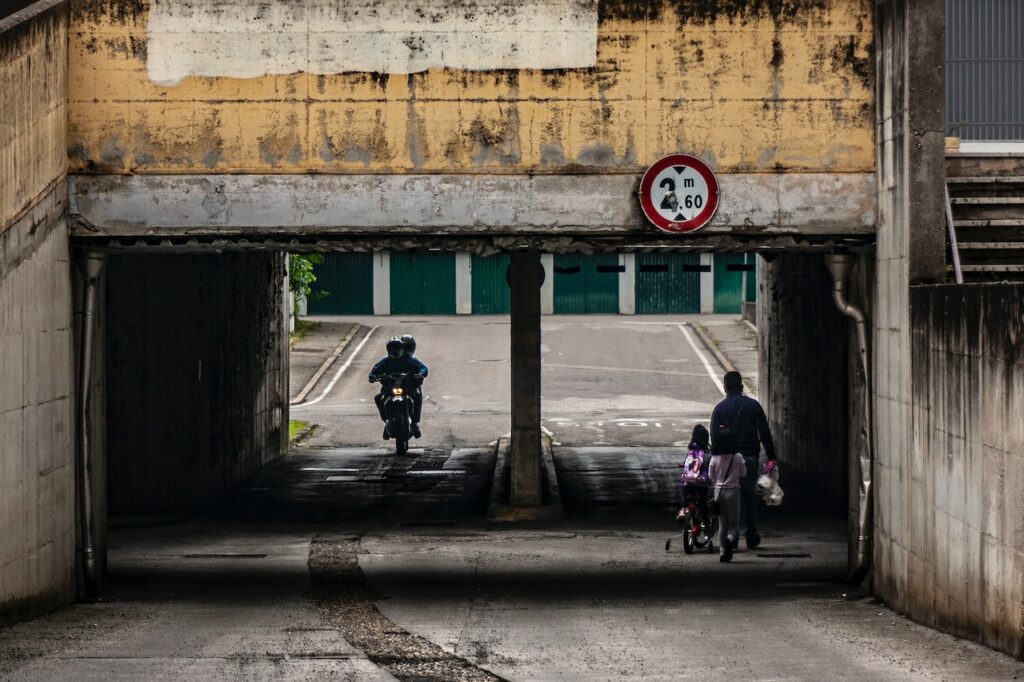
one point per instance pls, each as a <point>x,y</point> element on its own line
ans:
<point>698,527</point>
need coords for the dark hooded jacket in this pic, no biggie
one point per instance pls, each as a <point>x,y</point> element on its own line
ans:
<point>746,418</point>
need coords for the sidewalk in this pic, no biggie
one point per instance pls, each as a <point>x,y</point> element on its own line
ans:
<point>314,348</point>
<point>737,341</point>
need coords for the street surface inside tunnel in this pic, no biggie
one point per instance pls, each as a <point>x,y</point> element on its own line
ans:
<point>238,596</point>
<point>343,559</point>
<point>606,381</point>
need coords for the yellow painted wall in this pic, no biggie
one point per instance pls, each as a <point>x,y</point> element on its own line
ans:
<point>744,89</point>
<point>33,111</point>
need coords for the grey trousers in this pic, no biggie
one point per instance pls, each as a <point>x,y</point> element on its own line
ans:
<point>728,515</point>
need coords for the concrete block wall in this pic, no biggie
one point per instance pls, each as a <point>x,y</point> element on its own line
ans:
<point>197,358</point>
<point>37,424</point>
<point>965,526</point>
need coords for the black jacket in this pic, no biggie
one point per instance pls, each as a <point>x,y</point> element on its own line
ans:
<point>746,417</point>
<point>402,365</point>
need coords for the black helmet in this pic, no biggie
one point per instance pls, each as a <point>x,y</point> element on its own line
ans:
<point>394,346</point>
<point>409,344</point>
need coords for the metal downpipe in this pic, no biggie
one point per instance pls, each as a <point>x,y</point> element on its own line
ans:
<point>91,267</point>
<point>839,266</point>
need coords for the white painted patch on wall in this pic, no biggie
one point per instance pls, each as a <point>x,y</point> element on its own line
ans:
<point>246,39</point>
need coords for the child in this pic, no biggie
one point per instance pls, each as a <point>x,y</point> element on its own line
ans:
<point>694,479</point>
<point>727,470</point>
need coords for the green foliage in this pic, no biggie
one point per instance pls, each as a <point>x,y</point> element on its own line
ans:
<point>299,430</point>
<point>301,275</point>
<point>303,328</point>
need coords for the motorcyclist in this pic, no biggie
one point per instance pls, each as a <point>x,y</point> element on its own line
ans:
<point>394,363</point>
<point>409,346</point>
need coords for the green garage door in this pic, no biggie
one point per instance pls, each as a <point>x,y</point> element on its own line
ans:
<point>423,283</point>
<point>729,269</point>
<point>490,288</point>
<point>346,282</point>
<point>586,284</point>
<point>667,283</point>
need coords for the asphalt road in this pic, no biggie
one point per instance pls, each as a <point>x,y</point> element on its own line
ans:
<point>607,380</point>
<point>345,561</point>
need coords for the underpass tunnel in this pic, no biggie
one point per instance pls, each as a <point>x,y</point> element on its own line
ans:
<point>189,385</point>
<point>193,378</point>
<point>811,383</point>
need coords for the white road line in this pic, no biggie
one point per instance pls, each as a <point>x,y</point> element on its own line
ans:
<point>631,370</point>
<point>707,365</point>
<point>749,324</point>
<point>341,370</point>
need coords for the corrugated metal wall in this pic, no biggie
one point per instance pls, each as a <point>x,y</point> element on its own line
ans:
<point>667,283</point>
<point>586,284</point>
<point>423,283</point>
<point>197,376</point>
<point>490,290</point>
<point>343,286</point>
<point>985,69</point>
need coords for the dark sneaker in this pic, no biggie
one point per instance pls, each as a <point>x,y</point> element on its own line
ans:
<point>753,541</point>
<point>726,550</point>
<point>416,431</point>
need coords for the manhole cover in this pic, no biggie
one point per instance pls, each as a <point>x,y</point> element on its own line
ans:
<point>783,555</point>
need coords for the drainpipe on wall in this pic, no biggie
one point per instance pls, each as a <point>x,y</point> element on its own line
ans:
<point>839,265</point>
<point>91,267</point>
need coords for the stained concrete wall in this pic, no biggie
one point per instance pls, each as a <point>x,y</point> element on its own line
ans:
<point>33,106</point>
<point>197,358</point>
<point>36,378</point>
<point>946,547</point>
<point>963,509</point>
<point>803,373</point>
<point>388,86</point>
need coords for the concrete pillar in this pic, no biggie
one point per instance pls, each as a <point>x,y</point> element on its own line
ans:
<point>524,279</point>
<point>381,283</point>
<point>707,283</point>
<point>547,289</point>
<point>463,284</point>
<point>627,281</point>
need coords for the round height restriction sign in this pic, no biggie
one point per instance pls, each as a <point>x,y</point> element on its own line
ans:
<point>679,193</point>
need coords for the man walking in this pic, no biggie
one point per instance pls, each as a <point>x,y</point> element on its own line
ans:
<point>738,424</point>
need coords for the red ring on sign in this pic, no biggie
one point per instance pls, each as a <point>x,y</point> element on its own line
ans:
<point>694,223</point>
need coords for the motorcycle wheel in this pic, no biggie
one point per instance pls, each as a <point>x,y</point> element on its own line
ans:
<point>401,446</point>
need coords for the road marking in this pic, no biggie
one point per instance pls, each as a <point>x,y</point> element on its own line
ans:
<point>707,365</point>
<point>324,366</point>
<point>749,324</point>
<point>599,368</point>
<point>341,370</point>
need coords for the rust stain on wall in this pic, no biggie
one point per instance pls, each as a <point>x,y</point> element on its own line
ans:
<point>755,85</point>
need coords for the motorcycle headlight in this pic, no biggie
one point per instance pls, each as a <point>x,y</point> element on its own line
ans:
<point>397,391</point>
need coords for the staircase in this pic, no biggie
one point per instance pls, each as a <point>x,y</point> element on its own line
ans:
<point>987,201</point>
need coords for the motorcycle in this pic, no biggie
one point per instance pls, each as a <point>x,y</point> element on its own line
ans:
<point>398,408</point>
